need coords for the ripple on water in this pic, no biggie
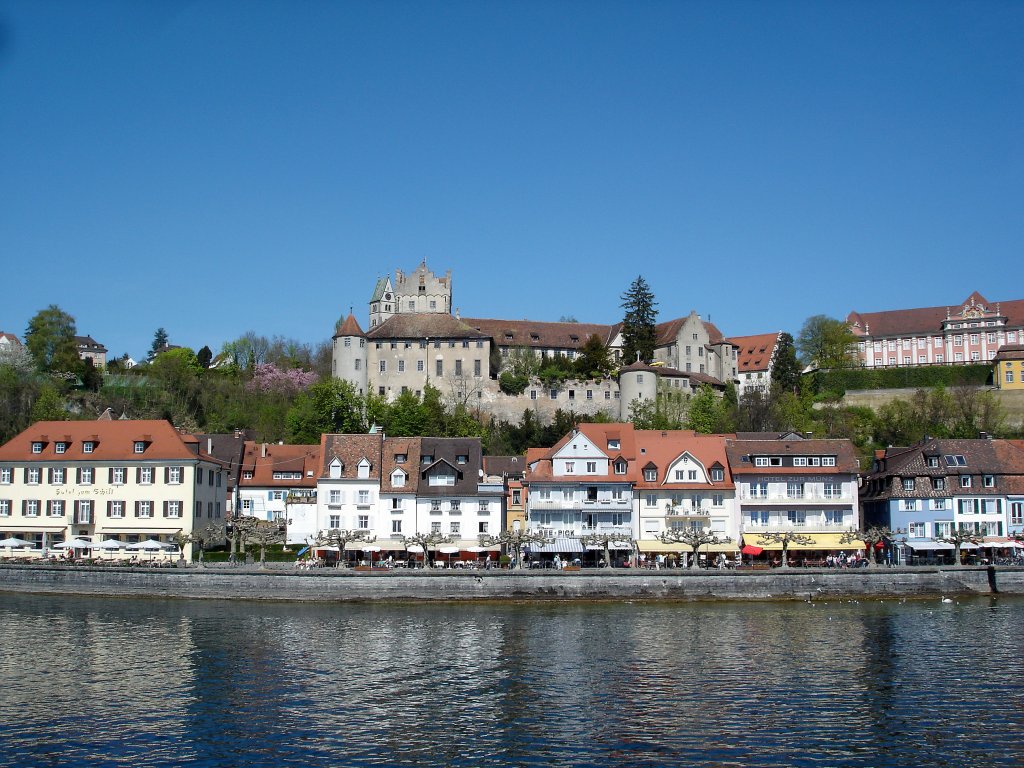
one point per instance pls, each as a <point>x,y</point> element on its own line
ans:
<point>110,682</point>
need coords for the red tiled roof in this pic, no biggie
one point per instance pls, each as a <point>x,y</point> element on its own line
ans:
<point>114,441</point>
<point>1010,352</point>
<point>264,459</point>
<point>350,327</point>
<point>530,333</point>
<point>755,352</point>
<point>423,325</point>
<point>928,320</point>
<point>846,459</point>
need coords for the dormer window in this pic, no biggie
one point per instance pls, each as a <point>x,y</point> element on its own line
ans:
<point>989,481</point>
<point>427,458</point>
<point>939,483</point>
<point>717,474</point>
<point>908,483</point>
<point>247,474</point>
<point>400,458</point>
<point>140,446</point>
<point>60,447</point>
<point>932,461</point>
<point>334,470</point>
<point>363,469</point>
<point>398,478</point>
<point>620,467</point>
<point>965,481</point>
<point>88,446</point>
<point>955,460</point>
<point>37,447</point>
<point>650,475</point>
<point>613,445</point>
<point>461,458</point>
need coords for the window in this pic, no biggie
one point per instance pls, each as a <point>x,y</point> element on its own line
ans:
<point>916,530</point>
<point>909,505</point>
<point>454,526</point>
<point>477,369</point>
<point>717,475</point>
<point>334,521</point>
<point>965,481</point>
<point>650,475</point>
<point>32,475</point>
<point>651,499</point>
<point>246,505</point>
<point>799,461</point>
<point>759,490</point>
<point>60,447</point>
<point>435,505</point>
<point>680,474</point>
<point>56,508</point>
<point>939,483</point>
<point>484,506</point>
<point>833,490</point>
<point>570,466</point>
<point>691,474</point>
<point>456,506</point>
<point>174,475</point>
<point>146,476</point>
<point>115,509</point>
<point>759,517</point>
<point>1009,376</point>
<point>31,508</point>
<point>717,499</point>
<point>592,467</point>
<point>1017,513</point>
<point>143,508</point>
<point>6,474</point>
<point>760,461</point>
<point>363,522</point>
<point>5,507</point>
<point>364,497</point>
<point>989,481</point>
<point>517,496</point>
<point>828,461</point>
<point>796,517</point>
<point>835,517</point>
<point>57,475</point>
<point>794,490</point>
<point>85,475</point>
<point>620,467</point>
<point>37,447</point>
<point>908,483</point>
<point>553,394</point>
<point>140,446</point>
<point>396,526</point>
<point>938,503</point>
<point>439,367</point>
<point>88,446</point>
<point>173,508</point>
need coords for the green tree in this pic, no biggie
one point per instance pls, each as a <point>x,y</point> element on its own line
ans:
<point>825,342</point>
<point>593,362</point>
<point>205,357</point>
<point>786,369</point>
<point>49,405</point>
<point>50,339</point>
<point>638,323</point>
<point>160,341</point>
<point>704,413</point>
<point>92,379</point>
<point>328,406</point>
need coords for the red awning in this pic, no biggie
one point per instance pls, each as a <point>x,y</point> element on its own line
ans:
<point>750,549</point>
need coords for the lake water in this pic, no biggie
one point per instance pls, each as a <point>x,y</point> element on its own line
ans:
<point>105,682</point>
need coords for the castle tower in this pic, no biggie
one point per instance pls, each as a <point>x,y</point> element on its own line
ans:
<point>638,381</point>
<point>349,358</point>
<point>382,302</point>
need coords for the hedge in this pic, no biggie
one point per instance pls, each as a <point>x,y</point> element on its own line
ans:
<point>841,380</point>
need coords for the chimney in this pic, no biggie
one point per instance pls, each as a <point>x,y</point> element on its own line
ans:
<point>263,451</point>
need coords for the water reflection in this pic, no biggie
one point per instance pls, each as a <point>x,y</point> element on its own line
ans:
<point>110,682</point>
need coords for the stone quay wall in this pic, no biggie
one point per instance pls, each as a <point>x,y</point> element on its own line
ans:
<point>331,585</point>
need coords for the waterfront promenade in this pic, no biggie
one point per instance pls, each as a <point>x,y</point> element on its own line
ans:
<point>349,585</point>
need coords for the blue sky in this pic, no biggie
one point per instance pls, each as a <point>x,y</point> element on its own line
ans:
<point>215,167</point>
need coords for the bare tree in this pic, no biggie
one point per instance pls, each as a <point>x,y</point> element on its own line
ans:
<point>694,538</point>
<point>958,536</point>
<point>205,537</point>
<point>870,536</point>
<point>266,533</point>
<point>426,541</point>
<point>605,540</point>
<point>514,540</point>
<point>242,529</point>
<point>785,538</point>
<point>341,538</point>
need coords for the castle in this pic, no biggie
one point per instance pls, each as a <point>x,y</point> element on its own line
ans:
<point>414,339</point>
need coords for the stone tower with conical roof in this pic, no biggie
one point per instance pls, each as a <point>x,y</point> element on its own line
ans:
<point>349,358</point>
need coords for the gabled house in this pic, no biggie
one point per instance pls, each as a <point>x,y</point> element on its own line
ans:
<point>938,485</point>
<point>278,483</point>
<point>104,481</point>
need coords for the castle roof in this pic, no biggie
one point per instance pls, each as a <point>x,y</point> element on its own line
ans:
<point>350,327</point>
<point>755,352</point>
<point>423,326</point>
<point>531,333</point>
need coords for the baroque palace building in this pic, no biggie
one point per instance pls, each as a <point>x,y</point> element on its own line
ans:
<point>971,332</point>
<point>415,339</point>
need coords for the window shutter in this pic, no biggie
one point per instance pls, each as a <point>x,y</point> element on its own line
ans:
<point>24,507</point>
<point>110,507</point>
<point>167,475</point>
<point>26,474</point>
<point>137,505</point>
<point>166,504</point>
<point>138,474</point>
<point>74,519</point>
<point>78,475</point>
<point>270,495</point>
<point>49,475</point>
<point>49,507</point>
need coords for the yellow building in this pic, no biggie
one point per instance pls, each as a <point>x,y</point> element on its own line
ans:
<point>1009,367</point>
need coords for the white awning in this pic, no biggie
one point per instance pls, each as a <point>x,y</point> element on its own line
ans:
<point>928,546</point>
